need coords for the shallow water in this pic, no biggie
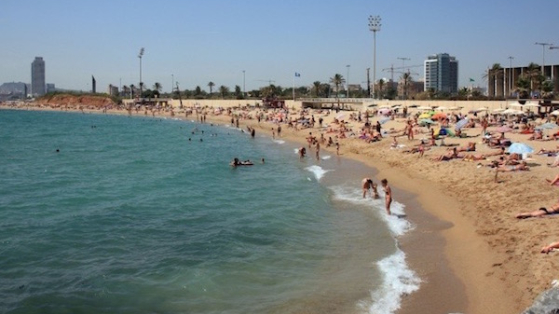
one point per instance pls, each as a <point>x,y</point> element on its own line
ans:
<point>131,216</point>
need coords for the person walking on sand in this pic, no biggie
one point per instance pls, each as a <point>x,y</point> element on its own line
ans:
<point>368,185</point>
<point>387,194</point>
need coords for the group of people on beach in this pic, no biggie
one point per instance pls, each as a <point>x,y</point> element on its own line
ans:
<point>369,186</point>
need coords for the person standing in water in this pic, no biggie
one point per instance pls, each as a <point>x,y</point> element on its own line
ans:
<point>368,184</point>
<point>387,194</point>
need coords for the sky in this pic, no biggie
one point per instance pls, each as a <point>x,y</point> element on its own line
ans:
<point>196,42</point>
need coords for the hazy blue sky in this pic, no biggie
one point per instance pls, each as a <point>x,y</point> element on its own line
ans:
<point>215,40</point>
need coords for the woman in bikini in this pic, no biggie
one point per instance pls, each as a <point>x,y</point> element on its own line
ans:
<point>542,211</point>
<point>387,194</point>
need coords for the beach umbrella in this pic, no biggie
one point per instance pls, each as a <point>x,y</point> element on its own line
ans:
<point>424,108</point>
<point>503,129</point>
<point>425,121</point>
<point>511,111</point>
<point>384,111</point>
<point>441,108</point>
<point>424,116</point>
<point>499,110</point>
<point>438,116</point>
<point>547,126</point>
<point>481,109</point>
<point>531,105</point>
<point>384,120</point>
<point>555,113</point>
<point>520,148</point>
<point>460,124</point>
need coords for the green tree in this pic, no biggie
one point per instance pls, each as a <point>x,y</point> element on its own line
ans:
<point>316,86</point>
<point>211,86</point>
<point>533,72</point>
<point>157,87</point>
<point>337,80</point>
<point>381,84</point>
<point>523,86</point>
<point>132,90</point>
<point>238,92</point>
<point>224,91</point>
<point>406,80</point>
<point>463,93</point>
<point>547,89</point>
<point>125,91</point>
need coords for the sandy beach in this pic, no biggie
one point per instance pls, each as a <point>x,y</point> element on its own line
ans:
<point>470,251</point>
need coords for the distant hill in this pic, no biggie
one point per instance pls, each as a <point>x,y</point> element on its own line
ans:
<point>76,100</point>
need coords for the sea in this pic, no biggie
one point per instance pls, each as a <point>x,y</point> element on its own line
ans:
<point>117,214</point>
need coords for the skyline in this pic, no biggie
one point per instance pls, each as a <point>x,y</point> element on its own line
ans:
<point>219,40</point>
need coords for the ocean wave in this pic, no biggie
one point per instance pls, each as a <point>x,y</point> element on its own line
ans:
<point>318,171</point>
<point>397,278</point>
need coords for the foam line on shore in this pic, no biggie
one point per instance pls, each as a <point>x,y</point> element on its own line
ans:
<point>397,278</point>
<point>318,171</point>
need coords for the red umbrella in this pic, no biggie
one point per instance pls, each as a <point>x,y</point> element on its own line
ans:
<point>438,116</point>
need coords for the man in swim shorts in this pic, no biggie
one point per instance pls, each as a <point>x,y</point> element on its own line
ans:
<point>387,195</point>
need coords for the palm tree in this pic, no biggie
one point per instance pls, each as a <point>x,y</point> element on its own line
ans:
<point>533,72</point>
<point>316,86</point>
<point>381,83</point>
<point>223,90</point>
<point>211,86</point>
<point>132,90</point>
<point>125,90</point>
<point>464,93</point>
<point>337,80</point>
<point>523,86</point>
<point>406,80</point>
<point>157,86</point>
<point>141,89</point>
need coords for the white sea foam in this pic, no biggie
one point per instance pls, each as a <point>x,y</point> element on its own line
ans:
<point>326,157</point>
<point>279,141</point>
<point>318,171</point>
<point>397,278</point>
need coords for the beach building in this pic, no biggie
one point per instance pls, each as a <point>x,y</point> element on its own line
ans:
<point>38,83</point>
<point>51,88</point>
<point>112,90</point>
<point>441,73</point>
<point>502,83</point>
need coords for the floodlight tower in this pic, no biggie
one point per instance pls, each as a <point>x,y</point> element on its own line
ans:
<point>543,55</point>
<point>140,55</point>
<point>374,26</point>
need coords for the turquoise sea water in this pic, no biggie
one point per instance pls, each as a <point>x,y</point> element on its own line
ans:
<point>132,217</point>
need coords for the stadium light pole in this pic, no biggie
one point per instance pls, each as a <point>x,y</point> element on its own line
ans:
<point>244,91</point>
<point>510,74</point>
<point>543,55</point>
<point>347,80</point>
<point>374,26</point>
<point>140,55</point>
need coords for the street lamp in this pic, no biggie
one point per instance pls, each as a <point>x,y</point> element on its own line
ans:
<point>510,74</point>
<point>140,57</point>
<point>347,81</point>
<point>543,55</point>
<point>374,26</point>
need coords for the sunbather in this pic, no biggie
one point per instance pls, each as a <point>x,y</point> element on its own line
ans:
<point>471,147</point>
<point>508,168</point>
<point>542,211</point>
<point>548,248</point>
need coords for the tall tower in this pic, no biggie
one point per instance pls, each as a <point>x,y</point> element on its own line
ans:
<point>441,73</point>
<point>38,84</point>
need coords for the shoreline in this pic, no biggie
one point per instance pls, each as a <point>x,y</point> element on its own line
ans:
<point>424,245</point>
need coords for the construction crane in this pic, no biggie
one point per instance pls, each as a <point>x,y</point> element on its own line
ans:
<point>269,81</point>
<point>392,68</point>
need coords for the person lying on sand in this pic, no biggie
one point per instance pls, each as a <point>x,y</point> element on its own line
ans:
<point>550,152</point>
<point>520,167</point>
<point>550,247</point>
<point>553,182</point>
<point>542,211</point>
<point>471,147</point>
<point>453,154</point>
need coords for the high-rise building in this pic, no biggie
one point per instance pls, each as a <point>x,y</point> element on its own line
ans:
<point>441,73</point>
<point>38,83</point>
